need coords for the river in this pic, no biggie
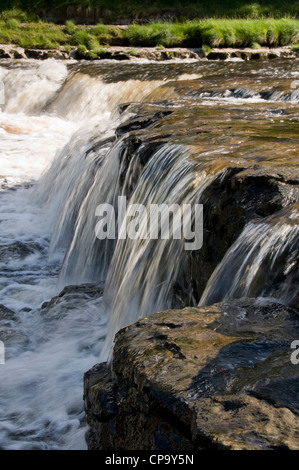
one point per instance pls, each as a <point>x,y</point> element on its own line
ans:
<point>61,156</point>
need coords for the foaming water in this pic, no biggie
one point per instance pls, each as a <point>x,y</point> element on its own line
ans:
<point>41,382</point>
<point>60,158</point>
<point>25,152</point>
<point>77,99</point>
<point>29,89</point>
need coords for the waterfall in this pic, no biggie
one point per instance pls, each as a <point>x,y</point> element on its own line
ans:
<point>142,271</point>
<point>68,145</point>
<point>263,262</point>
<point>133,288</point>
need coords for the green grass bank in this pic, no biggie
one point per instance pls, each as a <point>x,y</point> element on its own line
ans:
<point>270,32</point>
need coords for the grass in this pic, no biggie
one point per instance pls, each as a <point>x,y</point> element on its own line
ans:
<point>216,33</point>
<point>32,35</point>
<point>209,33</point>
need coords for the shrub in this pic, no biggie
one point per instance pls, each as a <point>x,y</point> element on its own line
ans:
<point>91,55</point>
<point>288,31</point>
<point>82,36</point>
<point>70,27</point>
<point>206,50</point>
<point>12,23</point>
<point>81,50</point>
<point>92,43</point>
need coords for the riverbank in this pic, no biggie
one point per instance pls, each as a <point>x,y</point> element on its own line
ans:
<point>207,33</point>
<point>149,53</point>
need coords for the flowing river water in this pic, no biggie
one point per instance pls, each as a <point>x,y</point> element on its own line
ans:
<point>60,158</point>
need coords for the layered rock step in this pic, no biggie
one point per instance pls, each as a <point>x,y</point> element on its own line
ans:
<point>217,377</point>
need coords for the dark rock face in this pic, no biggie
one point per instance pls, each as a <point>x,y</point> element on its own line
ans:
<point>70,293</point>
<point>239,195</point>
<point>230,203</point>
<point>6,314</point>
<point>218,377</point>
<point>13,338</point>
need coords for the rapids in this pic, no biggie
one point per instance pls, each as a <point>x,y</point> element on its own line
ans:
<point>62,153</point>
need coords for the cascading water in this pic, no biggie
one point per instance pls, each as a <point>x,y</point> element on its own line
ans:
<point>263,262</point>
<point>136,287</point>
<point>62,119</point>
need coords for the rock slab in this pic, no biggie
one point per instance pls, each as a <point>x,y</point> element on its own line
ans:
<point>210,378</point>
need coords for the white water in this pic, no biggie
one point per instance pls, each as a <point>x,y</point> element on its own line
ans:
<point>64,122</point>
<point>48,350</point>
<point>142,271</point>
<point>256,264</point>
<point>41,382</point>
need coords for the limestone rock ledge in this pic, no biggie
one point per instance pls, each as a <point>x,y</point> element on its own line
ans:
<point>209,378</point>
<point>12,51</point>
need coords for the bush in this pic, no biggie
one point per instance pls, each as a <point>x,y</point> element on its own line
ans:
<point>92,43</point>
<point>82,36</point>
<point>70,27</point>
<point>288,31</point>
<point>12,23</point>
<point>101,30</point>
<point>206,50</point>
<point>81,50</point>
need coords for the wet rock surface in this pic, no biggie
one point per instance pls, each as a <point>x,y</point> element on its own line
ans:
<point>217,377</point>
<point>69,294</point>
<point>249,187</point>
<point>12,336</point>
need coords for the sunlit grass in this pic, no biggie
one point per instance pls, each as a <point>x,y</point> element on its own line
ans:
<point>216,33</point>
<point>32,35</point>
<point>211,32</point>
